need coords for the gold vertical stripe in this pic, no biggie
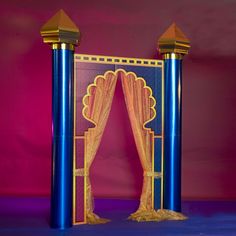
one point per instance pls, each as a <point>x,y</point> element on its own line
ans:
<point>85,182</point>
<point>153,166</point>
<point>74,151</point>
<point>163,135</point>
<point>73,207</point>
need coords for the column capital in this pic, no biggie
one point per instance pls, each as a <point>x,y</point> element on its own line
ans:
<point>173,41</point>
<point>60,31</point>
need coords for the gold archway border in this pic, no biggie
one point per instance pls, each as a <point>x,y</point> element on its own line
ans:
<point>104,77</point>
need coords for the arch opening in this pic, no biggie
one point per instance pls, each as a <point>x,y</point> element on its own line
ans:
<point>116,173</point>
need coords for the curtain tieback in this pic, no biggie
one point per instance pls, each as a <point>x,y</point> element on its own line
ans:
<point>81,172</point>
<point>155,175</point>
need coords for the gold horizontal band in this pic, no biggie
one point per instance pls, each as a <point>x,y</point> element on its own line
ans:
<point>118,60</point>
<point>78,137</point>
<point>81,172</point>
<point>68,46</point>
<point>172,56</point>
<point>156,175</point>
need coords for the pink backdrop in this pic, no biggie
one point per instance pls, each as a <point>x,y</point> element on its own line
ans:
<point>120,28</point>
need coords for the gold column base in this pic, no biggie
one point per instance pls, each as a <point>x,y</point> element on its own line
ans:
<point>159,215</point>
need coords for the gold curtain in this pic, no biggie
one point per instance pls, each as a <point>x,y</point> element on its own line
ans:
<point>141,109</point>
<point>140,105</point>
<point>97,106</point>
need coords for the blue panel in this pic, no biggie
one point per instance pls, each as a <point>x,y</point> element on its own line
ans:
<point>172,130</point>
<point>157,168</point>
<point>157,194</point>
<point>89,72</point>
<point>94,66</point>
<point>62,125</point>
<point>157,154</point>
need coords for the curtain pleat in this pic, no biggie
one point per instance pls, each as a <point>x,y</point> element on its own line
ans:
<point>139,103</point>
<point>97,107</point>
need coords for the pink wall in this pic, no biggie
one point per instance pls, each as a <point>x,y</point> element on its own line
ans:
<point>120,28</point>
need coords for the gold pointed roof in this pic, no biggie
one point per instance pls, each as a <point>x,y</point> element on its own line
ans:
<point>60,29</point>
<point>173,41</point>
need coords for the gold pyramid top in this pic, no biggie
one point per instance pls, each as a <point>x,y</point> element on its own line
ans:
<point>173,41</point>
<point>60,29</point>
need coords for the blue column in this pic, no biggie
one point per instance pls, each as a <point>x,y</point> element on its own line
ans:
<point>172,132</point>
<point>62,135</point>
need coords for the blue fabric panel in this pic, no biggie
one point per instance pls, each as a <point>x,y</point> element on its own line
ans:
<point>157,194</point>
<point>157,168</point>
<point>157,154</point>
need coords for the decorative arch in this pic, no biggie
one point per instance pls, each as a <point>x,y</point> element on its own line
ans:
<point>113,75</point>
<point>140,104</point>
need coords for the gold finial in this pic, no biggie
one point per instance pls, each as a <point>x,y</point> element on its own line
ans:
<point>173,41</point>
<point>60,29</point>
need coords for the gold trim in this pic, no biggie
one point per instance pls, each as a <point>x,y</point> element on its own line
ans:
<point>74,184</point>
<point>78,137</point>
<point>163,136</point>
<point>156,175</point>
<point>157,136</point>
<point>85,182</point>
<point>79,223</point>
<point>74,152</point>
<point>153,169</point>
<point>172,56</point>
<point>117,60</point>
<point>68,46</point>
<point>81,172</point>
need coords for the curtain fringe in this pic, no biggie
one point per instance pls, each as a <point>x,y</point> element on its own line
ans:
<point>92,218</point>
<point>159,215</point>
